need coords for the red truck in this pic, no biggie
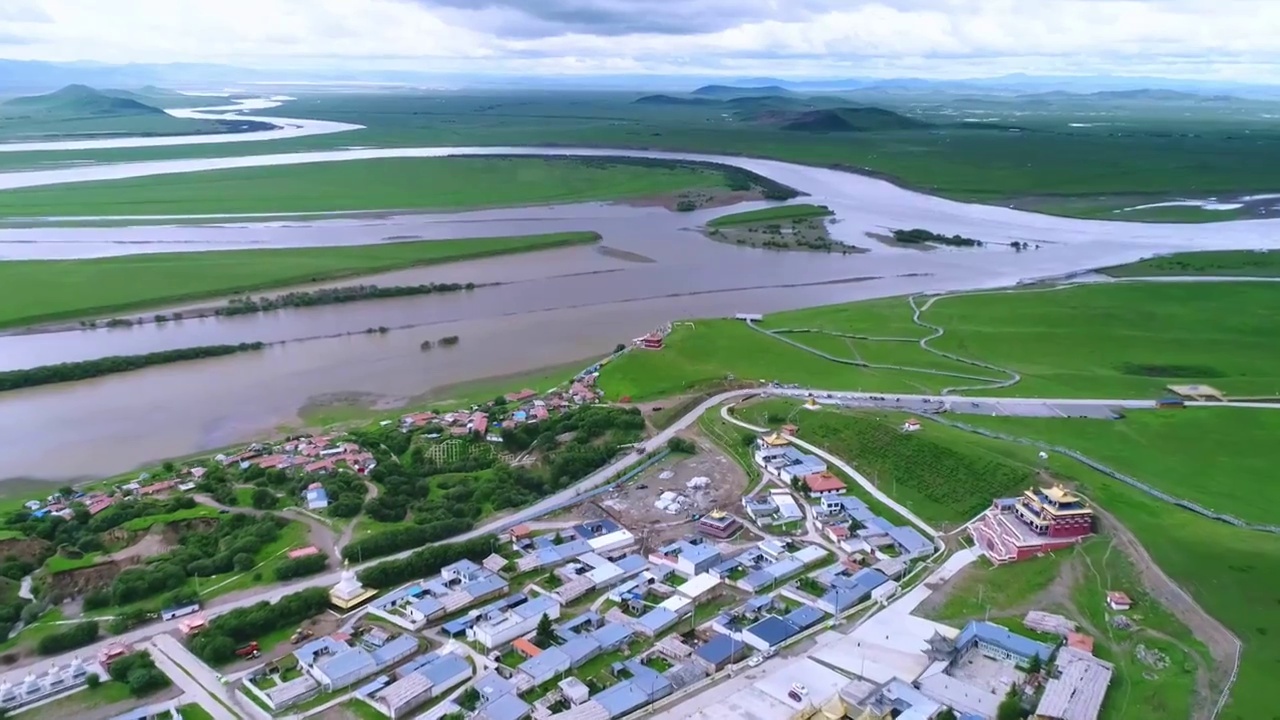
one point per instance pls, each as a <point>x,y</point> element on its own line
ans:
<point>252,650</point>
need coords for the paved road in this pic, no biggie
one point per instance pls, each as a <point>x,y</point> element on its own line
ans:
<point>200,685</point>
<point>275,592</point>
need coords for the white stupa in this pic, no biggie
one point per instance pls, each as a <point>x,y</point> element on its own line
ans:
<point>349,592</point>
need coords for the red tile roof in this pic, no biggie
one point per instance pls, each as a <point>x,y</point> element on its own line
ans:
<point>823,482</point>
<point>524,394</point>
<point>1080,642</point>
<point>526,648</point>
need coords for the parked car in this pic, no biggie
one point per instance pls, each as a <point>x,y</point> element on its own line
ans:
<point>755,661</point>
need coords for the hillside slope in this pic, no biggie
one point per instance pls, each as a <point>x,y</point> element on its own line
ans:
<point>78,101</point>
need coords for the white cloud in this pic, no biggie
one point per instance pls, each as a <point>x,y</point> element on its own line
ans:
<point>1208,38</point>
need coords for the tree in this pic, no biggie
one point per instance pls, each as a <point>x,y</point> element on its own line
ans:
<point>1035,665</point>
<point>682,445</point>
<point>946,714</point>
<point>545,633</point>
<point>264,499</point>
<point>92,680</point>
<point>619,348</point>
<point>244,562</point>
<point>1010,708</point>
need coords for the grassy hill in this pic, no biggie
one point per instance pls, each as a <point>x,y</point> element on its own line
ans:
<point>78,101</point>
<point>851,119</point>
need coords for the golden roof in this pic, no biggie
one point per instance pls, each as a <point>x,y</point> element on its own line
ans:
<point>1059,494</point>
<point>775,439</point>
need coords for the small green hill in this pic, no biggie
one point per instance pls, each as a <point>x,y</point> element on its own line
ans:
<point>849,119</point>
<point>673,100</point>
<point>725,92</point>
<point>78,101</point>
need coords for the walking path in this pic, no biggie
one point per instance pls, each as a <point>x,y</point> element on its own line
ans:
<point>183,668</point>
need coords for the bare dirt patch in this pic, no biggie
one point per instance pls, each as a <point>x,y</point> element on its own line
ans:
<point>634,507</point>
<point>153,543</point>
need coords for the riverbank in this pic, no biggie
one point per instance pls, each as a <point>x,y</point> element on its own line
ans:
<point>87,369</point>
<point>40,292</point>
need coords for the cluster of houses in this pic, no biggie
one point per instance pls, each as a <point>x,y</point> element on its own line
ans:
<point>316,454</point>
<point>522,407</point>
<point>329,663</point>
<point>96,501</point>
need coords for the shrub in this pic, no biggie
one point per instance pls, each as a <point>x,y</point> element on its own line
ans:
<point>76,636</point>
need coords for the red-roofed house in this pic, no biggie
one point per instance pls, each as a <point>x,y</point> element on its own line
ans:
<point>520,532</point>
<point>1080,642</point>
<point>480,423</point>
<point>272,461</point>
<point>324,465</point>
<point>154,488</point>
<point>837,532</point>
<point>98,504</point>
<point>303,552</point>
<point>525,648</point>
<point>823,483</point>
<point>1118,601</point>
<point>521,396</point>
<point>539,413</point>
<point>197,472</point>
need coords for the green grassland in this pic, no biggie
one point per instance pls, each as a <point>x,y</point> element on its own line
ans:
<point>361,185</point>
<point>1221,263</point>
<point>1123,340</point>
<point>984,589</point>
<point>1169,449</point>
<point>1230,572</point>
<point>1167,150</point>
<point>774,214</point>
<point>33,291</point>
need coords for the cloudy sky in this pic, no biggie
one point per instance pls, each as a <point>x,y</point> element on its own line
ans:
<point>1221,39</point>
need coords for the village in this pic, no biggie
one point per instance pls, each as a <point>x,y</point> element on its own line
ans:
<point>684,585</point>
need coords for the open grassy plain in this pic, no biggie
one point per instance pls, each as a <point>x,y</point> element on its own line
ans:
<point>1123,340</point>
<point>1166,151</point>
<point>1219,263</point>
<point>361,185</point>
<point>34,291</point>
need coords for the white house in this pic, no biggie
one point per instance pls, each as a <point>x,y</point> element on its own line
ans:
<point>501,627</point>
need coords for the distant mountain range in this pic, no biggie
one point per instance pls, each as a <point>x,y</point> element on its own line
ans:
<point>817,114</point>
<point>25,77</point>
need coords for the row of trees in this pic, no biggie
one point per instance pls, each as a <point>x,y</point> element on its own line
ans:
<point>218,643</point>
<point>301,567</point>
<point>76,636</point>
<point>390,542</point>
<point>85,369</point>
<point>918,236</point>
<point>426,562</point>
<point>334,296</point>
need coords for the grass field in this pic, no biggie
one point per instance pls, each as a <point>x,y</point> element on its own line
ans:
<point>142,524</point>
<point>1170,450</point>
<point>1123,340</point>
<point>1231,573</point>
<point>786,213</point>
<point>34,291</point>
<point>1165,152</point>
<point>985,588</point>
<point>1233,263</point>
<point>360,185</point>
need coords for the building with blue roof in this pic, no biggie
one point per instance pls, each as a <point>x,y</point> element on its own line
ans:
<point>847,591</point>
<point>432,675</point>
<point>720,651</point>
<point>688,558</point>
<point>911,543</point>
<point>596,528</point>
<point>804,617</point>
<point>580,650</point>
<point>545,666</point>
<point>645,686</point>
<point>769,633</point>
<point>758,580</point>
<point>631,564</point>
<point>504,707</point>
<point>1000,643</point>
<point>655,621</point>
<point>612,636</point>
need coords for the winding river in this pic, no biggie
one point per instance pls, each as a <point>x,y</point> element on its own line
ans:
<point>551,307</point>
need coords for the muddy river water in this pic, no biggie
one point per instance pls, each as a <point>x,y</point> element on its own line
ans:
<point>547,308</point>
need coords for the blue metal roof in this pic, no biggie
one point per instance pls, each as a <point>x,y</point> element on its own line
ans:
<point>758,580</point>
<point>492,685</point>
<point>631,564</point>
<point>612,634</point>
<point>347,667</point>
<point>445,669</point>
<point>505,707</point>
<point>911,542</point>
<point>580,649</point>
<point>657,619</point>
<point>773,630</point>
<point>551,660</point>
<point>428,606</point>
<point>1002,638</point>
<point>394,650</point>
<point>719,649</point>
<point>805,617</point>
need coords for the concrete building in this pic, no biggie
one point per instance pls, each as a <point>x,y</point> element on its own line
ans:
<point>433,675</point>
<point>823,483</point>
<point>1037,522</point>
<point>574,690</point>
<point>643,686</point>
<point>498,628</point>
<point>654,622</point>
<point>335,664</point>
<point>999,643</point>
<point>687,558</point>
<point>505,707</point>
